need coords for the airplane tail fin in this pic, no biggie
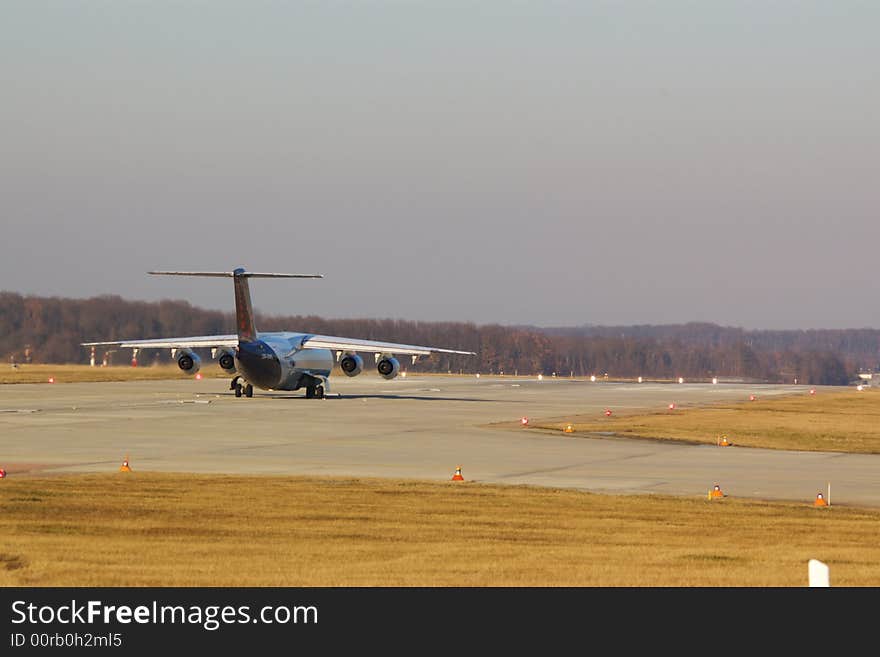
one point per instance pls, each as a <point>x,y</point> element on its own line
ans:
<point>244,311</point>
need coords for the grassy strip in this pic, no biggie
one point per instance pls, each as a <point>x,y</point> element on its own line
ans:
<point>85,374</point>
<point>66,373</point>
<point>40,373</point>
<point>139,529</point>
<point>845,421</point>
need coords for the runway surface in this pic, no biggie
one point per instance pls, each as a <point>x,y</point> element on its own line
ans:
<point>415,427</point>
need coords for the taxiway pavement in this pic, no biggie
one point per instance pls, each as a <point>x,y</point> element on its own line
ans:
<point>419,427</point>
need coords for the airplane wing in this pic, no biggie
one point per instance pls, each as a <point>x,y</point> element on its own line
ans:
<point>193,342</point>
<point>353,344</point>
<point>309,342</point>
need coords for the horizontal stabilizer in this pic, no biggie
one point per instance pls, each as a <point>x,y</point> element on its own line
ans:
<point>244,311</point>
<point>230,274</point>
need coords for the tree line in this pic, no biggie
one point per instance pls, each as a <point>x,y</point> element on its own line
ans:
<point>50,330</point>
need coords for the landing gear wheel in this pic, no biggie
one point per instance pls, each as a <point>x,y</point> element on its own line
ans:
<point>319,392</point>
<point>238,390</point>
<point>310,392</point>
<point>248,390</point>
<point>234,382</point>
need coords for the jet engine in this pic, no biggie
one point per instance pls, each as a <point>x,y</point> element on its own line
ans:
<point>351,364</point>
<point>188,361</point>
<point>226,360</point>
<point>388,367</point>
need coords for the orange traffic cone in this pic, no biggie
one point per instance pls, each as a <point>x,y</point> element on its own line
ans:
<point>125,467</point>
<point>724,442</point>
<point>568,429</point>
<point>457,476</point>
<point>715,493</point>
<point>820,501</point>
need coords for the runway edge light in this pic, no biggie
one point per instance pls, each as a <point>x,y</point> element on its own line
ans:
<point>125,467</point>
<point>457,476</point>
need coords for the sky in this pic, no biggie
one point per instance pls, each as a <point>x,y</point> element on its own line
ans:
<point>542,163</point>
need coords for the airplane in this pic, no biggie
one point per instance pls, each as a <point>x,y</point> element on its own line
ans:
<point>278,360</point>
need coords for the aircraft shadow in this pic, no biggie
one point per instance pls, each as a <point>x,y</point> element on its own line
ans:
<point>422,398</point>
<point>333,396</point>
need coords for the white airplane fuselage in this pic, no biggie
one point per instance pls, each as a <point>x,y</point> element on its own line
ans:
<point>276,361</point>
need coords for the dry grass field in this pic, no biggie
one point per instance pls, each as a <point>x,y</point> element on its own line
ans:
<point>66,373</point>
<point>85,374</point>
<point>141,528</point>
<point>839,421</point>
<point>153,529</point>
<point>41,373</point>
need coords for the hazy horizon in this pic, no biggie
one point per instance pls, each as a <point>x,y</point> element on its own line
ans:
<point>231,312</point>
<point>548,164</point>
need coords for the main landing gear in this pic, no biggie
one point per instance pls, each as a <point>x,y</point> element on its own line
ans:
<point>240,388</point>
<point>315,389</point>
<point>315,392</point>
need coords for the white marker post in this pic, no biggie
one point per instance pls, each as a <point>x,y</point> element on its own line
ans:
<point>819,575</point>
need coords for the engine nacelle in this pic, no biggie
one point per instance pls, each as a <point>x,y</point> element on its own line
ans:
<point>188,361</point>
<point>351,364</point>
<point>226,360</point>
<point>388,367</point>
